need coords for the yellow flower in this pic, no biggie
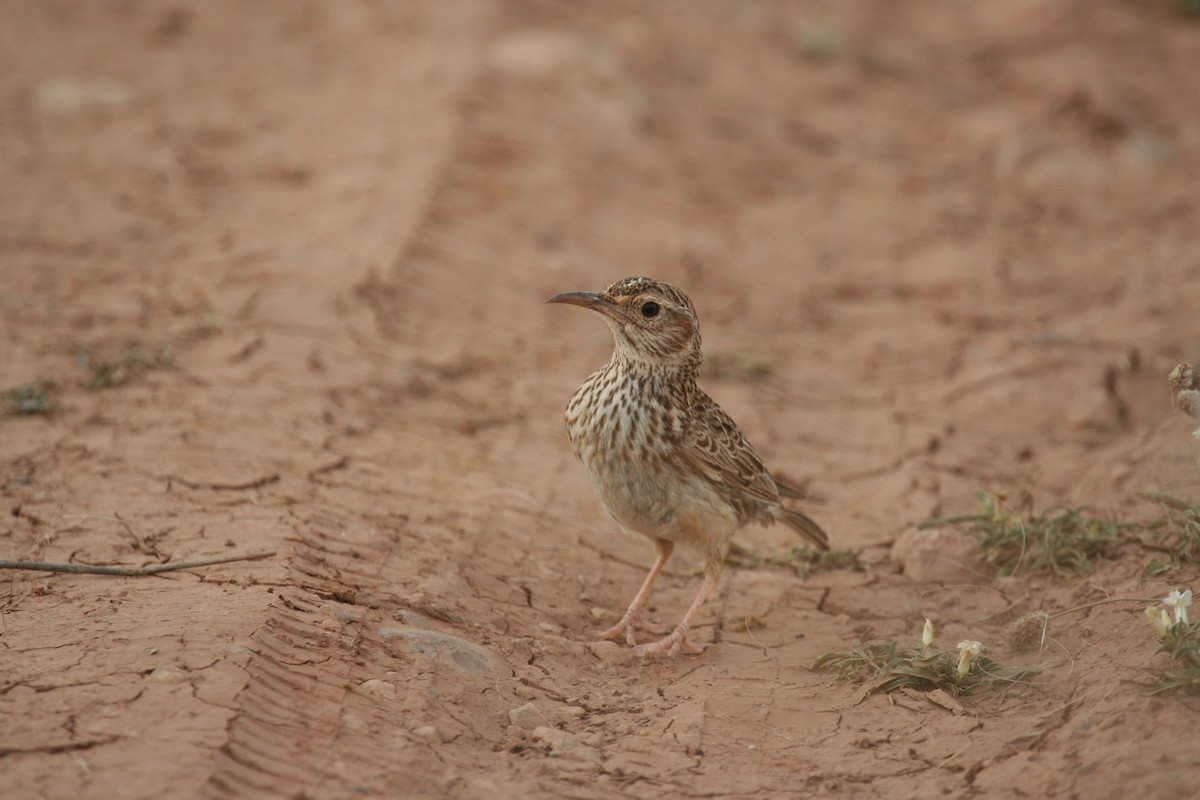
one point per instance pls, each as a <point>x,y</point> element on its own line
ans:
<point>1159,619</point>
<point>968,651</point>
<point>927,634</point>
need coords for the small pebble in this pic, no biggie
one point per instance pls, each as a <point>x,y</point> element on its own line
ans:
<point>427,733</point>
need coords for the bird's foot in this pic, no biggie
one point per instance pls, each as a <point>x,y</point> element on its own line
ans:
<point>629,623</point>
<point>671,645</point>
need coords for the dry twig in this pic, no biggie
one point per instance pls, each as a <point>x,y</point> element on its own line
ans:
<point>153,569</point>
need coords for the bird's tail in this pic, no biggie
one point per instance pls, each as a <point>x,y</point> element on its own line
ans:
<point>806,527</point>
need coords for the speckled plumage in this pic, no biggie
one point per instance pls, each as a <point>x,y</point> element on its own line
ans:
<point>666,461</point>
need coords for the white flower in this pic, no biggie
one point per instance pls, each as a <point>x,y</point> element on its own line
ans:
<point>1159,619</point>
<point>927,634</point>
<point>1179,601</point>
<point>968,651</point>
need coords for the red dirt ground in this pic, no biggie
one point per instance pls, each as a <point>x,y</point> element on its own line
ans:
<point>936,247</point>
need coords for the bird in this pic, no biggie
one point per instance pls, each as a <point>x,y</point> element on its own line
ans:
<point>664,459</point>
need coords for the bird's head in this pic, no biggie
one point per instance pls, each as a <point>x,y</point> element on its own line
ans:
<point>652,322</point>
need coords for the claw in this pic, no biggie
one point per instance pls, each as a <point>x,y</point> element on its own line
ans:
<point>630,622</point>
<point>678,639</point>
<point>642,624</point>
<point>670,645</point>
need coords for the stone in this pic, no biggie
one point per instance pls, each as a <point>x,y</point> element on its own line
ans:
<point>609,652</point>
<point>464,657</point>
<point>378,688</point>
<point>564,745</point>
<point>527,717</point>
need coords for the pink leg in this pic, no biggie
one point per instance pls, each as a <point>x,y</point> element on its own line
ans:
<point>633,615</point>
<point>678,640</point>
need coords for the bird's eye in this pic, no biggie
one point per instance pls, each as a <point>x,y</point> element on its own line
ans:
<point>650,309</point>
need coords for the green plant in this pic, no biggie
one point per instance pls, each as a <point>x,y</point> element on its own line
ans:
<point>891,666</point>
<point>800,558</point>
<point>821,42</point>
<point>1179,637</point>
<point>29,398</point>
<point>1189,8</point>
<point>132,362</point>
<point>1060,540</point>
<point>1183,521</point>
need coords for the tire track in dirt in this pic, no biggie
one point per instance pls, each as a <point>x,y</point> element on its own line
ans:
<point>311,721</point>
<point>486,203</point>
<point>592,109</point>
<point>359,681</point>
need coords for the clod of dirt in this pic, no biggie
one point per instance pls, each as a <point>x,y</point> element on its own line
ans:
<point>433,734</point>
<point>168,673</point>
<point>937,555</point>
<point>527,717</point>
<point>564,745</point>
<point>609,652</point>
<point>378,688</point>
<point>463,656</point>
<point>562,645</point>
<point>447,584</point>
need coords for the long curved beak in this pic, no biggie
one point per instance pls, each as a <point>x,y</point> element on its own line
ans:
<point>596,301</point>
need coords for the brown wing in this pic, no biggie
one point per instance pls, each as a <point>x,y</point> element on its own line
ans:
<point>715,446</point>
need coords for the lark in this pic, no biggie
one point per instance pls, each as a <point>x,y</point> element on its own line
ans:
<point>666,461</point>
